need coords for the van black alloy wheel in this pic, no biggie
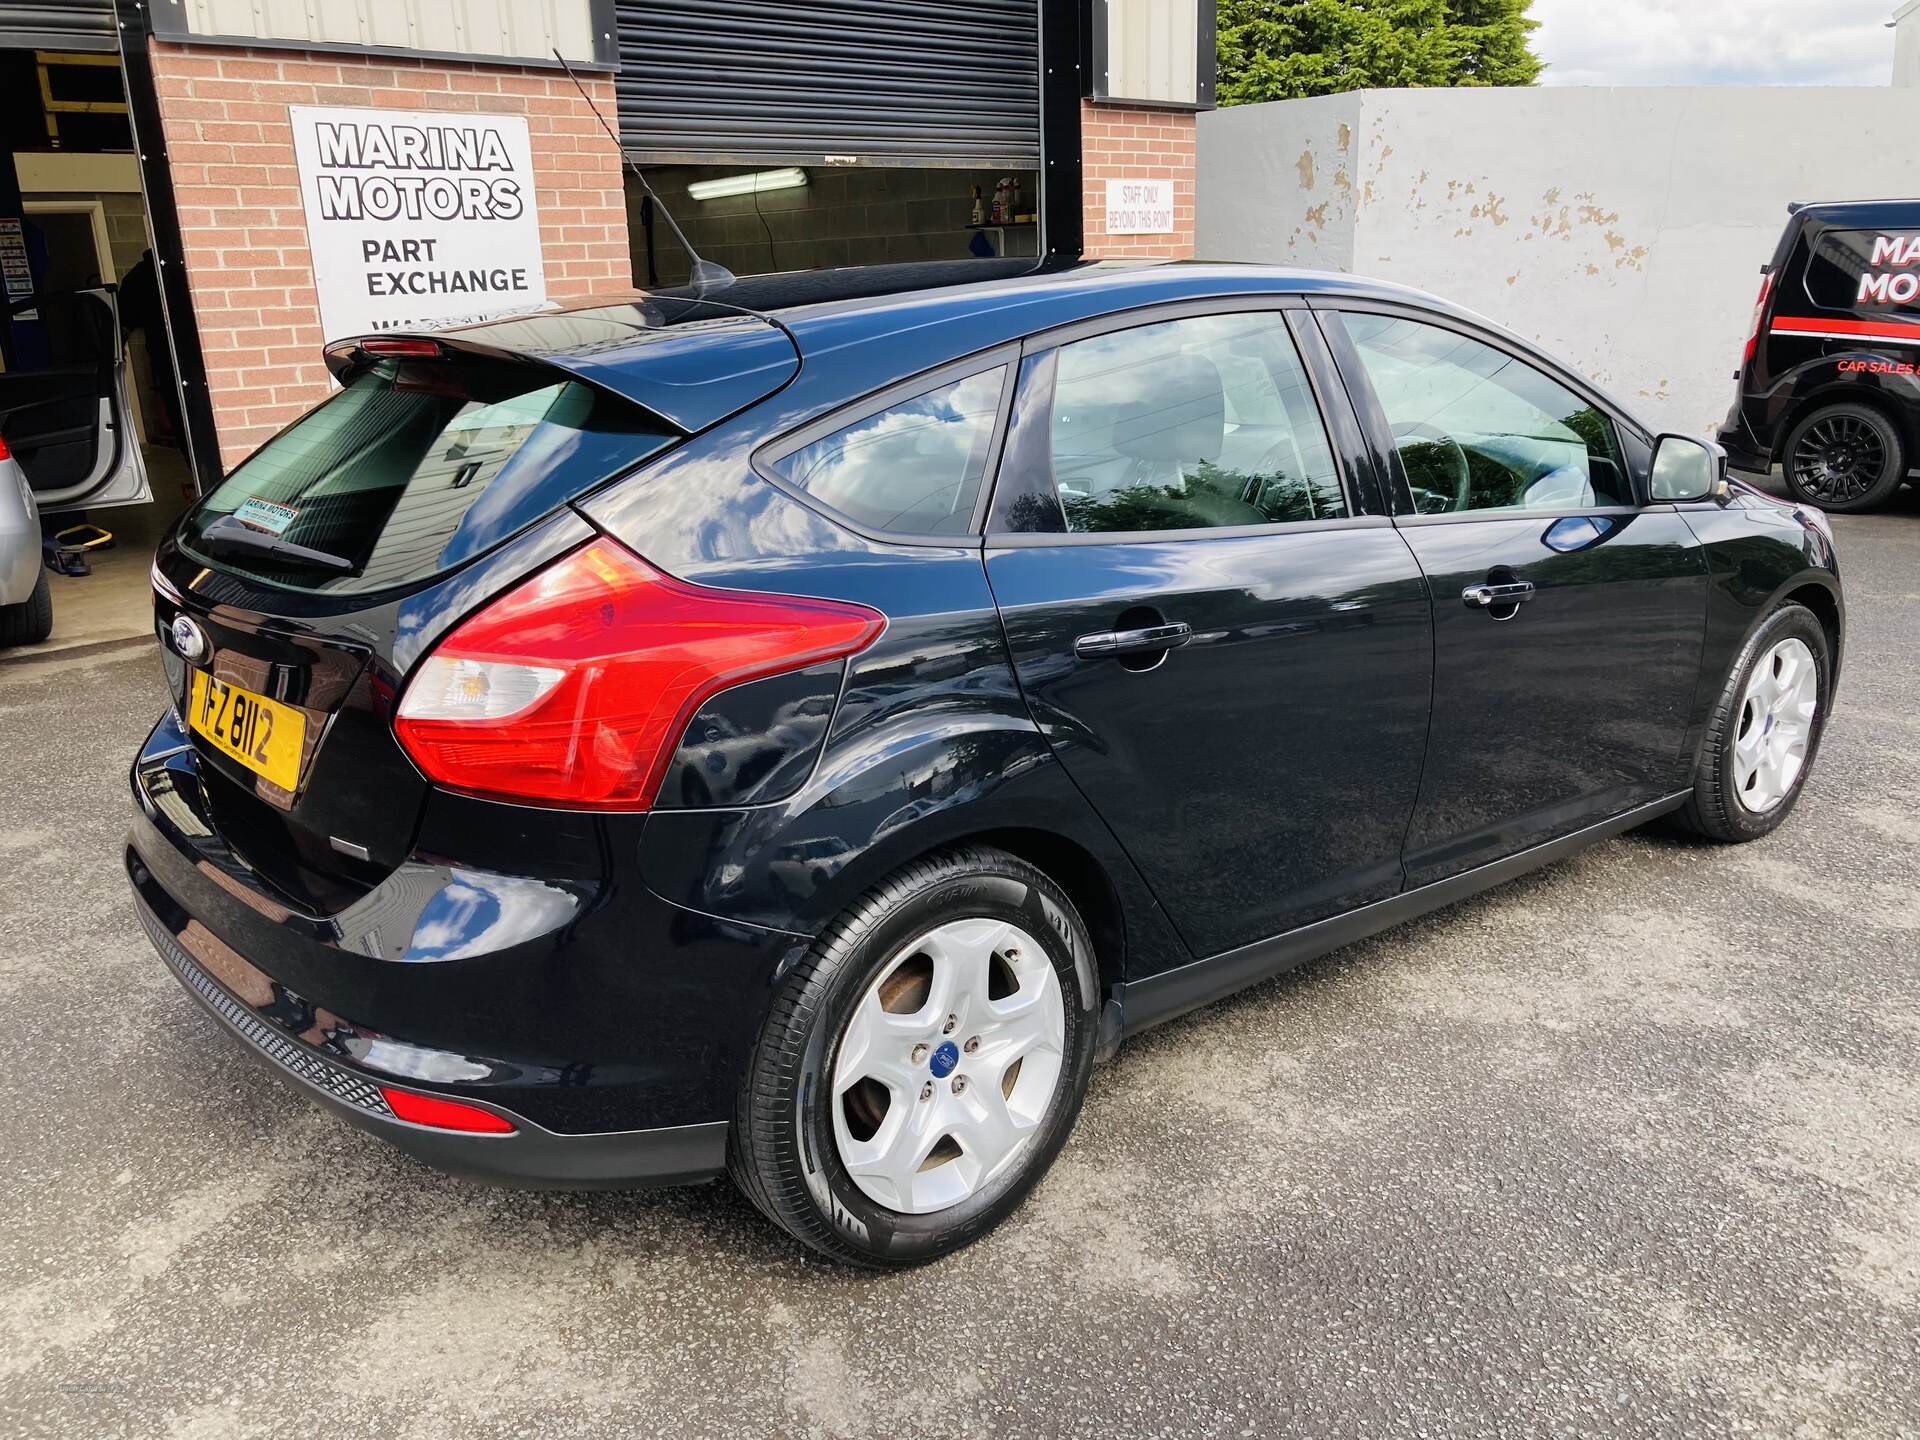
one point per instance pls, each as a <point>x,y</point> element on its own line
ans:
<point>1844,457</point>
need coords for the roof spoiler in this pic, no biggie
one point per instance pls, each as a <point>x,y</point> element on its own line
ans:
<point>688,376</point>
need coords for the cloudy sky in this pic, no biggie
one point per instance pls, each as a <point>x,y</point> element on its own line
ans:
<point>1715,42</point>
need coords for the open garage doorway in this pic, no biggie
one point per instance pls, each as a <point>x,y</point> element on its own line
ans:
<point>763,220</point>
<point>89,408</point>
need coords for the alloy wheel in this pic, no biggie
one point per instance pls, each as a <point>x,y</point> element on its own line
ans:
<point>1776,725</point>
<point>1839,458</point>
<point>947,1065</point>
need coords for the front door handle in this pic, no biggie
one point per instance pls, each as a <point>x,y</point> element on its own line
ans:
<point>1486,597</point>
<point>1133,642</point>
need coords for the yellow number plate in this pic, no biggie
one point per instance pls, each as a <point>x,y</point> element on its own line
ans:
<point>261,734</point>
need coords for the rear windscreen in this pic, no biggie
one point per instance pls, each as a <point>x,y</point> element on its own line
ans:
<point>416,466</point>
<point>1866,270</point>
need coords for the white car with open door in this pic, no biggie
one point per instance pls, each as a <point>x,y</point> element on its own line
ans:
<point>66,443</point>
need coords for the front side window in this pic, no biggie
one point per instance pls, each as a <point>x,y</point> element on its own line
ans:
<point>1477,429</point>
<point>913,468</point>
<point>1189,424</point>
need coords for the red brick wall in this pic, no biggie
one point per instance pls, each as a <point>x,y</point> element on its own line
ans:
<point>1119,143</point>
<point>230,148</point>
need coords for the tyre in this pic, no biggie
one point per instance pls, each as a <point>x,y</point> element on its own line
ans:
<point>1764,730</point>
<point>31,621</point>
<point>921,1067</point>
<point>1845,458</point>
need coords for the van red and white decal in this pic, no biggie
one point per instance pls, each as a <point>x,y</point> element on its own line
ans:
<point>1878,332</point>
<point>1892,278</point>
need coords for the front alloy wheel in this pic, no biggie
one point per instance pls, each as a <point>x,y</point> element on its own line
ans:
<point>1764,730</point>
<point>923,1063</point>
<point>1776,725</point>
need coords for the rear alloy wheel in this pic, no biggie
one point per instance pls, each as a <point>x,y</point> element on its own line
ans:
<point>1764,730</point>
<point>946,1065</point>
<point>921,1068</point>
<point>1844,458</point>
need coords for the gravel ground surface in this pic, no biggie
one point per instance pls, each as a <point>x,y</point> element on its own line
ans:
<point>1629,1147</point>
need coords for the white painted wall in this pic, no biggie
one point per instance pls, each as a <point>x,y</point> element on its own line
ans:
<point>1621,229</point>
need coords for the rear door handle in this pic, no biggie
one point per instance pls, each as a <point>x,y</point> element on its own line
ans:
<point>1133,642</point>
<point>1485,597</point>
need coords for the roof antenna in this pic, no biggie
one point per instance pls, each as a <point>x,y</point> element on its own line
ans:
<point>705,275</point>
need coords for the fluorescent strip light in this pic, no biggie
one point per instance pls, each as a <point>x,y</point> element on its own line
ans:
<point>761,180</point>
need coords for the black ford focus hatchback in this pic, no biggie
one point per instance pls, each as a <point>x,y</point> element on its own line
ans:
<point>796,732</point>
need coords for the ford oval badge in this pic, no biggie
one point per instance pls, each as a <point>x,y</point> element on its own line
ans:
<point>190,640</point>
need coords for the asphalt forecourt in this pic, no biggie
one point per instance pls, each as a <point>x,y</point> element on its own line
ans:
<point>1630,1146</point>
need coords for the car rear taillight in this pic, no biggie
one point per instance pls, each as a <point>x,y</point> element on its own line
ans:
<point>418,1109</point>
<point>5,453</point>
<point>573,688</point>
<point>1759,318</point>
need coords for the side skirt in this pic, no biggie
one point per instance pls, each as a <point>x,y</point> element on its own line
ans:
<point>1172,993</point>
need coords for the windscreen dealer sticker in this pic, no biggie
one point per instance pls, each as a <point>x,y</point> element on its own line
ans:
<point>265,515</point>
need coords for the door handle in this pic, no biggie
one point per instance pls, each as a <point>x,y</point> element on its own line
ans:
<point>1485,597</point>
<point>1133,642</point>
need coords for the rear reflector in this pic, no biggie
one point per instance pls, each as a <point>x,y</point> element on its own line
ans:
<point>573,688</point>
<point>419,1109</point>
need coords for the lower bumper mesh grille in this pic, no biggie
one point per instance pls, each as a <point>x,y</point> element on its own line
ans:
<point>295,1058</point>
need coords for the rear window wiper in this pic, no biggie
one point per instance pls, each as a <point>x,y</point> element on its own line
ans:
<point>237,539</point>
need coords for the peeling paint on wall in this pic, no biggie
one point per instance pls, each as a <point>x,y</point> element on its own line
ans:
<point>1545,209</point>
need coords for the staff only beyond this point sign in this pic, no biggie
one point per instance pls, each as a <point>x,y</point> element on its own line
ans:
<point>417,219</point>
<point>1139,207</point>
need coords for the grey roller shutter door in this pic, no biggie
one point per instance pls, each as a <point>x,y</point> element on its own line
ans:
<point>890,82</point>
<point>57,25</point>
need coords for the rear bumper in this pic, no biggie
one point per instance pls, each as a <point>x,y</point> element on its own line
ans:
<point>608,1026</point>
<point>19,537</point>
<point>531,1156</point>
<point>1744,449</point>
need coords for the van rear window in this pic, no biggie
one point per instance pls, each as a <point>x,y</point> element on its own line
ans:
<point>416,466</point>
<point>1866,270</point>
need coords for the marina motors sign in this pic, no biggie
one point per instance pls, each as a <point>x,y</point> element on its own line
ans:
<point>417,218</point>
<point>1893,273</point>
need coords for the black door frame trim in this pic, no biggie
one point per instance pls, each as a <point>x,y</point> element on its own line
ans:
<point>201,436</point>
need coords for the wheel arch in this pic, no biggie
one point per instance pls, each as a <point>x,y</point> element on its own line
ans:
<point>890,800</point>
<point>1821,599</point>
<point>1901,415</point>
<point>1076,870</point>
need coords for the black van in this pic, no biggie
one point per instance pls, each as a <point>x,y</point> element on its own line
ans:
<point>1828,386</point>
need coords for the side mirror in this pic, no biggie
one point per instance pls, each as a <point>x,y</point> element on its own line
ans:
<point>1686,467</point>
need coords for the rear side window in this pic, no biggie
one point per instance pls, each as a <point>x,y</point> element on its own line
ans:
<point>1188,425</point>
<point>1866,270</point>
<point>913,468</point>
<point>414,467</point>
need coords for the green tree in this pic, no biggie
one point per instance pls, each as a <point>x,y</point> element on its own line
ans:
<point>1286,49</point>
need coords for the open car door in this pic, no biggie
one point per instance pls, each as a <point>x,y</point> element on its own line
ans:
<point>69,425</point>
